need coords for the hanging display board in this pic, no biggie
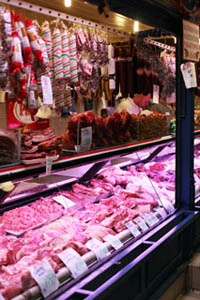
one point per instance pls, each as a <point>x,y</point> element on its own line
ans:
<point>191,46</point>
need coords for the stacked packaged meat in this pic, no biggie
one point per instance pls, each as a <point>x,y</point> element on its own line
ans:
<point>71,219</point>
<point>39,144</point>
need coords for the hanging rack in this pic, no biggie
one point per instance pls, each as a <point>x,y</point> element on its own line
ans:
<point>63,16</point>
<point>160,45</point>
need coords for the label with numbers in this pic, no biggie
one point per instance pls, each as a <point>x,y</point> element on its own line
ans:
<point>99,249</point>
<point>161,211</point>
<point>45,276</point>
<point>64,201</point>
<point>141,223</point>
<point>150,219</point>
<point>168,206</point>
<point>73,262</point>
<point>47,90</point>
<point>113,240</point>
<point>86,138</point>
<point>132,228</point>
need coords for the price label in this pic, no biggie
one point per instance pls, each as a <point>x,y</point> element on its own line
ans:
<point>161,211</point>
<point>168,206</point>
<point>73,262</point>
<point>86,138</point>
<point>132,228</point>
<point>1,297</point>
<point>99,249</point>
<point>156,90</point>
<point>113,240</point>
<point>64,201</point>
<point>150,219</point>
<point>47,90</point>
<point>45,277</point>
<point>141,223</point>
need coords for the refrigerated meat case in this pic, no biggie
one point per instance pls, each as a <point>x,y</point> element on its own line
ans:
<point>139,267</point>
<point>162,239</point>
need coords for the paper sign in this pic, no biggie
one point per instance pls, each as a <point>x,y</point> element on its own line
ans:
<point>161,211</point>
<point>141,223</point>
<point>64,201</point>
<point>45,277</point>
<point>47,90</point>
<point>73,262</point>
<point>113,240</point>
<point>150,219</point>
<point>189,75</point>
<point>133,229</point>
<point>168,206</point>
<point>98,248</point>
<point>156,90</point>
<point>49,161</point>
<point>190,41</point>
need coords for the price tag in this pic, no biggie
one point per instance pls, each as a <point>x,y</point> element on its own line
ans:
<point>73,262</point>
<point>161,211</point>
<point>64,201</point>
<point>141,223</point>
<point>168,206</point>
<point>86,138</point>
<point>113,240</point>
<point>45,277</point>
<point>99,249</point>
<point>47,90</point>
<point>150,219</point>
<point>189,75</point>
<point>1,297</point>
<point>156,90</point>
<point>132,228</point>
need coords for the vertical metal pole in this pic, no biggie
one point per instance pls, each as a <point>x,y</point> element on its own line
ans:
<point>184,139</point>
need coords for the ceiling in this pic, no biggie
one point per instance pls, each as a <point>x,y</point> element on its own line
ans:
<point>85,10</point>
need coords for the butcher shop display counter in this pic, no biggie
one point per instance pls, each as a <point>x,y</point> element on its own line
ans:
<point>71,158</point>
<point>57,229</point>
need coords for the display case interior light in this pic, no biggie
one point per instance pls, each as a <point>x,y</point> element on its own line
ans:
<point>135,26</point>
<point>68,3</point>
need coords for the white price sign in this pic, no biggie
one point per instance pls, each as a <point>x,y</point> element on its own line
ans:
<point>45,276</point>
<point>99,249</point>
<point>86,138</point>
<point>113,240</point>
<point>141,223</point>
<point>168,206</point>
<point>132,228</point>
<point>73,262</point>
<point>161,211</point>
<point>150,219</point>
<point>47,90</point>
<point>64,201</point>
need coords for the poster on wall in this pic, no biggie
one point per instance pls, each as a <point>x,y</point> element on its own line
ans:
<point>18,115</point>
<point>191,47</point>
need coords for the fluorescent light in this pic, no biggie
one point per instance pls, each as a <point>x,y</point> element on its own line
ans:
<point>68,3</point>
<point>136,26</point>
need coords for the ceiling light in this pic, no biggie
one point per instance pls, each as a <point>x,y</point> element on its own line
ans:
<point>68,3</point>
<point>136,26</point>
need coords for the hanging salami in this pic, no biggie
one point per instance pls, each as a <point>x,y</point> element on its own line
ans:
<point>73,57</point>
